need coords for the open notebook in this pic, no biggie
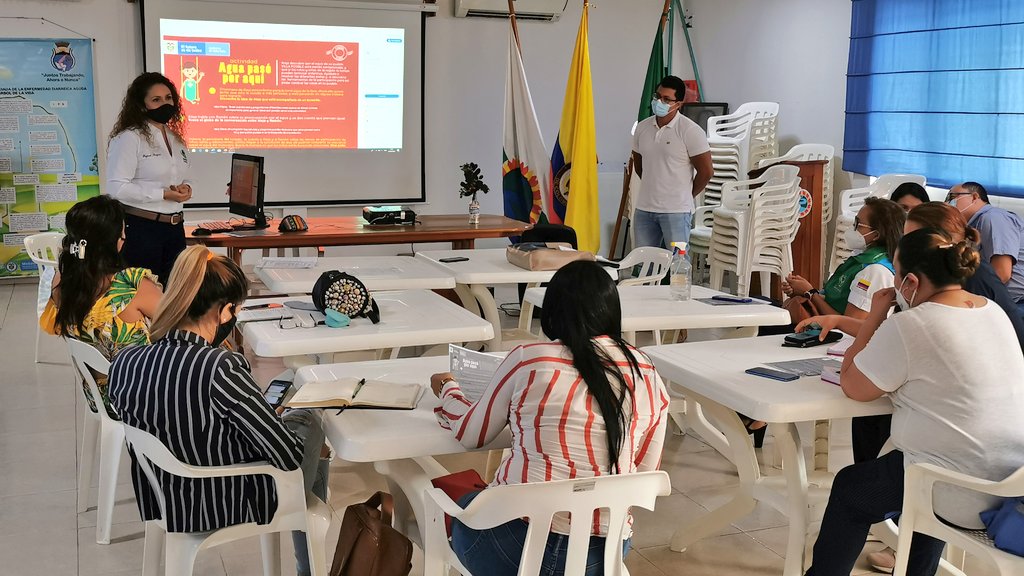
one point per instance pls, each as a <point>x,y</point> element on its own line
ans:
<point>354,393</point>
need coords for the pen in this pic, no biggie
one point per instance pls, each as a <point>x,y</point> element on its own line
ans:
<point>263,306</point>
<point>359,386</point>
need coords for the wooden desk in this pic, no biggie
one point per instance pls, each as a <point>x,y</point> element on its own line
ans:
<point>354,231</point>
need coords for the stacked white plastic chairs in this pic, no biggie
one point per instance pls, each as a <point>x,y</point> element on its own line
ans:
<point>738,142</point>
<point>851,201</point>
<point>807,152</point>
<point>754,228</point>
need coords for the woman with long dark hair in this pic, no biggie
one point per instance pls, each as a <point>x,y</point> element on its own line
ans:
<point>586,404</point>
<point>96,298</point>
<point>147,170</point>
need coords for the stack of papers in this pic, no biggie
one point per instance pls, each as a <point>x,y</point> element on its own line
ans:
<point>840,348</point>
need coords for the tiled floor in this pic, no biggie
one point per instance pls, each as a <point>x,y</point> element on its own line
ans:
<point>40,533</point>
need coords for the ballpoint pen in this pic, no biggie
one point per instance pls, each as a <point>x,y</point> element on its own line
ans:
<point>359,386</point>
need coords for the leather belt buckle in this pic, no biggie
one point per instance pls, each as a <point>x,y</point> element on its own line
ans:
<point>176,219</point>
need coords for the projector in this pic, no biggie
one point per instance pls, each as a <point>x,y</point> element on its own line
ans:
<point>388,215</point>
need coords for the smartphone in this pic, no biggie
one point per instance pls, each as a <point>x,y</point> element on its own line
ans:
<point>773,374</point>
<point>276,392</point>
<point>809,338</point>
<point>730,298</point>
<point>454,259</point>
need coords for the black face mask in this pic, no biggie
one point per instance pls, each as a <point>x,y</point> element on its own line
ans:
<point>163,114</point>
<point>223,331</point>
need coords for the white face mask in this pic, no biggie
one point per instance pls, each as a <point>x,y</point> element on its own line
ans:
<point>854,241</point>
<point>902,300</point>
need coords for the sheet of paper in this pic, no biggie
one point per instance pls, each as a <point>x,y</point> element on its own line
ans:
<point>287,263</point>
<point>263,314</point>
<point>472,370</point>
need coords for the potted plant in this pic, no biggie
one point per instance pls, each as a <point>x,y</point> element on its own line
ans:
<point>472,183</point>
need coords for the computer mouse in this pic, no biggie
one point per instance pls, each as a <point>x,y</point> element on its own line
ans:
<point>201,232</point>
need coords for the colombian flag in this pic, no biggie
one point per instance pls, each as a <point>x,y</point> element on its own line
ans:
<point>574,158</point>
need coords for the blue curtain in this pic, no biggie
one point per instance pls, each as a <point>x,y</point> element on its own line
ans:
<point>936,87</point>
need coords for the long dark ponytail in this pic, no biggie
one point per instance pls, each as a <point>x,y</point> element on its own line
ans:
<point>98,221</point>
<point>582,303</point>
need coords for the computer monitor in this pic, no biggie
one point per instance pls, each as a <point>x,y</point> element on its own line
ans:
<point>245,192</point>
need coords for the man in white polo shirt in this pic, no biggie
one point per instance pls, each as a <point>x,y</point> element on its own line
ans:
<point>667,149</point>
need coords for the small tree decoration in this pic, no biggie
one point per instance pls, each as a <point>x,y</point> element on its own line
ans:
<point>472,183</point>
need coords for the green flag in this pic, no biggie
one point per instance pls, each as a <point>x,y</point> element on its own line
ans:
<point>656,70</point>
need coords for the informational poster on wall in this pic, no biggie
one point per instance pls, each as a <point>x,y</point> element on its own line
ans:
<point>48,159</point>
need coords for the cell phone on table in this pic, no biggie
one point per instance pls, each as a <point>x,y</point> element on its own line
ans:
<point>773,374</point>
<point>454,259</point>
<point>731,298</point>
<point>809,338</point>
<point>277,392</point>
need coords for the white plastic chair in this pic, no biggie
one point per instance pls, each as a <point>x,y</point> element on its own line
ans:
<point>44,249</point>
<point>654,263</point>
<point>919,516</point>
<point>539,502</point>
<point>102,433</point>
<point>851,201</point>
<point>296,510</point>
<point>804,153</point>
<point>755,227</point>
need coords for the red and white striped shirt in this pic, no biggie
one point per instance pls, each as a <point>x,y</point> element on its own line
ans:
<point>558,431</point>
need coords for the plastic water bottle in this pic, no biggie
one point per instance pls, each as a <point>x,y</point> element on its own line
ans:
<point>679,279</point>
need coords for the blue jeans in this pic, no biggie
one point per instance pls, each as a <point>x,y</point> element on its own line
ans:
<point>496,551</point>
<point>661,229</point>
<point>864,494</point>
<point>306,424</point>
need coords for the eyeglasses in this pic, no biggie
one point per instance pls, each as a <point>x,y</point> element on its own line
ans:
<point>858,224</point>
<point>291,323</point>
<point>664,99</point>
<point>952,195</point>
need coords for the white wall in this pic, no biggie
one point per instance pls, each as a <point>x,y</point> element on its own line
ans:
<point>793,52</point>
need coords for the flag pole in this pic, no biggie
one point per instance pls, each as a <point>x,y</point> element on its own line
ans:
<point>664,13</point>
<point>515,27</point>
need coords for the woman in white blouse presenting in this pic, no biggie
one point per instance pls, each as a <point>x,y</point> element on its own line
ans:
<point>586,404</point>
<point>147,170</point>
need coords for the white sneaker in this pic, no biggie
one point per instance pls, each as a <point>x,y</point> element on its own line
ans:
<point>883,561</point>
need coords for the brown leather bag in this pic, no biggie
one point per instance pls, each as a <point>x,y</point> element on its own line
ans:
<point>800,308</point>
<point>544,255</point>
<point>368,545</point>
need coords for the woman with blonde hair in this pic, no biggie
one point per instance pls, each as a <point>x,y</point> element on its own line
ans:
<point>202,402</point>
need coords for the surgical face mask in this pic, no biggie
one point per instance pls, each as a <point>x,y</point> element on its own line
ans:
<point>902,300</point>
<point>659,108</point>
<point>223,331</point>
<point>163,114</point>
<point>854,241</point>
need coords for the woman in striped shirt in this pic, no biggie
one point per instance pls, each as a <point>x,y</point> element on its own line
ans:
<point>201,401</point>
<point>586,404</point>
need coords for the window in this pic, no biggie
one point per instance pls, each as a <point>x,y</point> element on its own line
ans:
<point>936,87</point>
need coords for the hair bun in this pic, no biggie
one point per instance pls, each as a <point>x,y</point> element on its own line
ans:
<point>962,260</point>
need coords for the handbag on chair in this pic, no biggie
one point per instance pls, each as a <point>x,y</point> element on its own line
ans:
<point>368,545</point>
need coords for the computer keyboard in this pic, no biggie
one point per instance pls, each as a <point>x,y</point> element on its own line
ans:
<point>217,226</point>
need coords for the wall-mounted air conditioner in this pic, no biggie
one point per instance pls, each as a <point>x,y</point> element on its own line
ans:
<point>546,10</point>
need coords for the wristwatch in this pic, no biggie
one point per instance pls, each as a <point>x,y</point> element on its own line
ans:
<point>811,292</point>
<point>447,380</point>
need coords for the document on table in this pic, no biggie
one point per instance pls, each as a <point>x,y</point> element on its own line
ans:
<point>263,314</point>
<point>352,393</point>
<point>807,366</point>
<point>287,263</point>
<point>472,370</point>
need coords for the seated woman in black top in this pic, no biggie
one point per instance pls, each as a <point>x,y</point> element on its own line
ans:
<point>201,401</point>
<point>909,195</point>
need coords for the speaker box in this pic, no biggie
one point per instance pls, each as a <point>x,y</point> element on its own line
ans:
<point>699,112</point>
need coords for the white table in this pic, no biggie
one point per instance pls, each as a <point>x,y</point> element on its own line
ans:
<point>376,272</point>
<point>712,373</point>
<point>650,308</point>
<point>488,267</point>
<point>407,318</point>
<point>400,443</point>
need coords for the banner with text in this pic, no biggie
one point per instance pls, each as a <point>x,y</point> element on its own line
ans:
<point>48,155</point>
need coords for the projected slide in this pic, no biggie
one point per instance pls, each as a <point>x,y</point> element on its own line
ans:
<point>283,86</point>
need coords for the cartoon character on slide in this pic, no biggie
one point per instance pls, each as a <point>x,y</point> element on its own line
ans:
<point>191,77</point>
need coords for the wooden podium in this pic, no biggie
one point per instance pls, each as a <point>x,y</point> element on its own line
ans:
<point>808,248</point>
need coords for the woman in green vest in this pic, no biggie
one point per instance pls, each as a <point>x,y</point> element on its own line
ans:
<point>876,231</point>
